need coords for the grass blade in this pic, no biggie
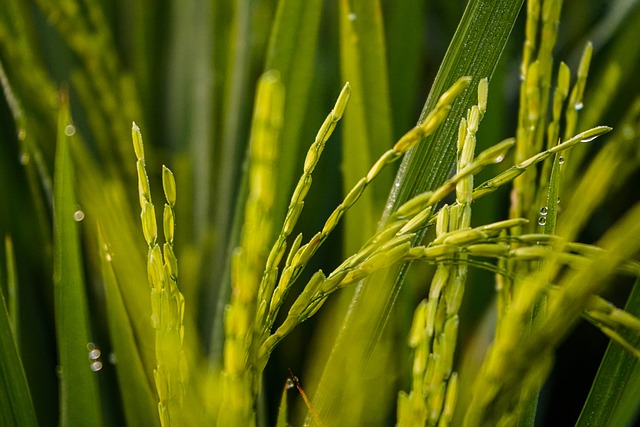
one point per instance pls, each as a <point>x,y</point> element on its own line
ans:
<point>105,201</point>
<point>367,126</point>
<point>138,400</point>
<point>282,409</point>
<point>404,27</point>
<point>615,394</point>
<point>12,287</point>
<point>16,407</point>
<point>474,50</point>
<point>79,397</point>
<point>292,47</point>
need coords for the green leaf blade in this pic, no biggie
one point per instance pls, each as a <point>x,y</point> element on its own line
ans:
<point>614,398</point>
<point>367,124</point>
<point>138,400</point>
<point>292,47</point>
<point>16,407</point>
<point>79,395</point>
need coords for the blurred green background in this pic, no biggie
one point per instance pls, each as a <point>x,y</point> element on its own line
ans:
<point>185,72</point>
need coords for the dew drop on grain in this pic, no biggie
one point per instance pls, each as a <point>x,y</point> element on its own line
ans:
<point>589,139</point>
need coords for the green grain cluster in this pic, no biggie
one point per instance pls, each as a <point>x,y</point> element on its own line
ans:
<point>167,303</point>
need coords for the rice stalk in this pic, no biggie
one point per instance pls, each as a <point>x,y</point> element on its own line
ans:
<point>167,302</point>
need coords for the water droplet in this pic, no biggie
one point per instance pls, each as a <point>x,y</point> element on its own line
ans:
<point>542,220</point>
<point>95,354</point>
<point>107,254</point>
<point>70,130</point>
<point>558,200</point>
<point>96,366</point>
<point>352,16</point>
<point>561,160</point>
<point>155,321</point>
<point>91,346</point>
<point>290,384</point>
<point>589,139</point>
<point>78,215</point>
<point>521,77</point>
<point>578,106</point>
<point>498,159</point>
<point>22,134</point>
<point>113,359</point>
<point>24,158</point>
<point>543,211</point>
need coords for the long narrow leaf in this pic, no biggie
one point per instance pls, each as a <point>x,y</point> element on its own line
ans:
<point>292,47</point>
<point>367,125</point>
<point>138,400</point>
<point>79,397</point>
<point>615,394</point>
<point>108,206</point>
<point>16,407</point>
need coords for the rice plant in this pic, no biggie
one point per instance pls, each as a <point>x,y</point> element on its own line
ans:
<point>328,252</point>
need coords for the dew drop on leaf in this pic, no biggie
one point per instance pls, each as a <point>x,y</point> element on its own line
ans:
<point>561,160</point>
<point>578,106</point>
<point>542,220</point>
<point>543,210</point>
<point>95,354</point>
<point>78,215</point>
